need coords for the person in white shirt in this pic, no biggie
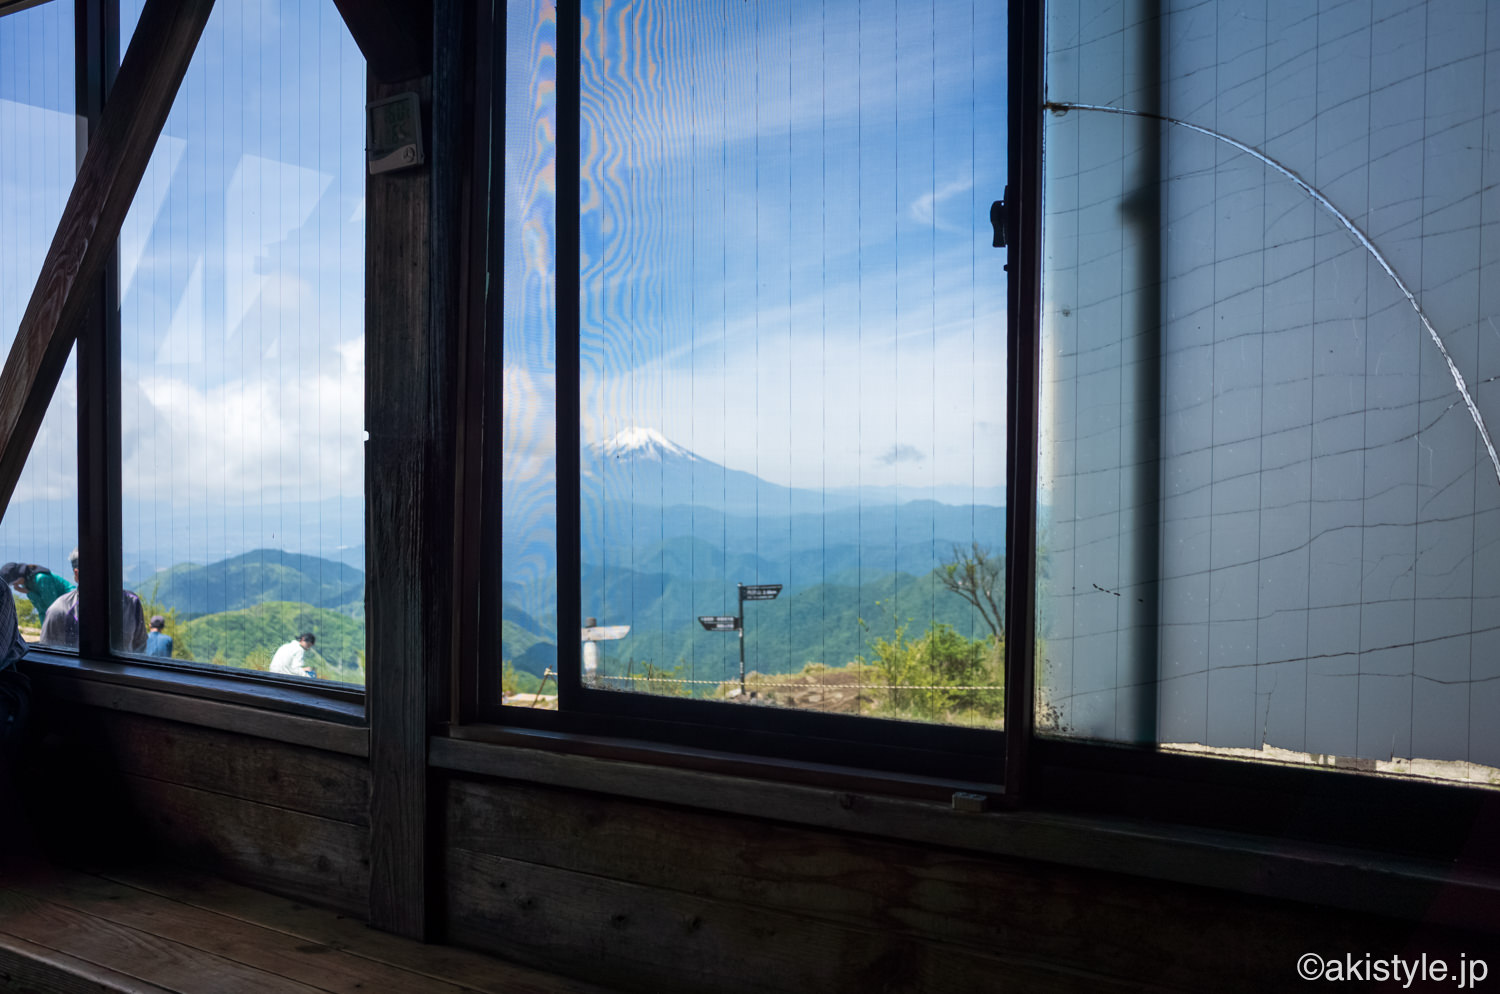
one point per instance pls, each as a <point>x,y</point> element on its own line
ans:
<point>288,659</point>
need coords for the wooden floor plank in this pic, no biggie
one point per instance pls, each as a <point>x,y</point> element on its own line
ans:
<point>322,966</point>
<point>28,966</point>
<point>133,952</point>
<point>317,925</point>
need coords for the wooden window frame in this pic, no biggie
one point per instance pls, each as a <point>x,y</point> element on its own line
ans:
<point>1096,779</point>
<point>97,53</point>
<point>907,748</point>
<point>1135,809</point>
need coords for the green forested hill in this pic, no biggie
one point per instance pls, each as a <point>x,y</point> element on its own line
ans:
<point>256,577</point>
<point>248,638</point>
<point>820,624</point>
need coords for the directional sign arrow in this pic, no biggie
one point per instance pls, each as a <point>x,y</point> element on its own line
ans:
<point>719,622</point>
<point>760,592</point>
<point>605,633</point>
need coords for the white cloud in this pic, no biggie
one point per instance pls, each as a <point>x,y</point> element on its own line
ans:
<point>271,437</point>
<point>924,209</point>
<point>529,405</point>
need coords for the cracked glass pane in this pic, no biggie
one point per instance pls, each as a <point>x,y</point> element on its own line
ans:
<point>1270,499</point>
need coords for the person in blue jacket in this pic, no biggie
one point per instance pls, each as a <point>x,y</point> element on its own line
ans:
<point>158,642</point>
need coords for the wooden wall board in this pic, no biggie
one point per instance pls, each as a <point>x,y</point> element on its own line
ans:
<point>1341,879</point>
<point>1106,923</point>
<point>286,852</point>
<point>924,894</point>
<point>254,769</point>
<point>306,924</point>
<point>647,939</point>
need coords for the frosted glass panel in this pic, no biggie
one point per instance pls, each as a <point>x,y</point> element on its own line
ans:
<point>1269,508</point>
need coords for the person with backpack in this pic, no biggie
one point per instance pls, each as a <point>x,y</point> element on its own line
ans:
<point>38,583</point>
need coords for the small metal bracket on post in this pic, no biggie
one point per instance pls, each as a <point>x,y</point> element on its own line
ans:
<point>1000,221</point>
<point>394,133</point>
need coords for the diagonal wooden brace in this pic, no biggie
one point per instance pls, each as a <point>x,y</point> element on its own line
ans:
<point>149,76</point>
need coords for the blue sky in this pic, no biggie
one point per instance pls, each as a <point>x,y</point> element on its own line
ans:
<point>241,263</point>
<point>786,253</point>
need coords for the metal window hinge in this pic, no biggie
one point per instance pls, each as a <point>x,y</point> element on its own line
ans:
<point>999,220</point>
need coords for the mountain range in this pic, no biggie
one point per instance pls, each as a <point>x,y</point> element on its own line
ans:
<point>666,535</point>
<point>256,577</point>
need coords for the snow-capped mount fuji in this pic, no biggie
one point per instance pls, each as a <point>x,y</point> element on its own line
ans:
<point>642,466</point>
<point>641,444</point>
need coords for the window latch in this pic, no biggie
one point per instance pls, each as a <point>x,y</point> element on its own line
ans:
<point>998,220</point>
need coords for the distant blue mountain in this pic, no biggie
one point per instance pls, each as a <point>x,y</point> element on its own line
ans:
<point>654,509</point>
<point>640,466</point>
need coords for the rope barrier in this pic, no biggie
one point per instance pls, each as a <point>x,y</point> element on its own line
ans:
<point>760,685</point>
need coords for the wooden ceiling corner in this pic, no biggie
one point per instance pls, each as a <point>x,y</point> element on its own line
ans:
<point>394,35</point>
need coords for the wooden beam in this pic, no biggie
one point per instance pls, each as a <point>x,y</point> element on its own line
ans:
<point>412,289</point>
<point>394,35</point>
<point>147,84</point>
<point>15,6</point>
<point>400,462</point>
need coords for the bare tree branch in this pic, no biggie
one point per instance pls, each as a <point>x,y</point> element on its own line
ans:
<point>978,576</point>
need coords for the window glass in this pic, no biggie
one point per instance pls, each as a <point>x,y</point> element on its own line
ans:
<point>1269,500</point>
<point>38,157</point>
<point>793,354</point>
<point>528,494</point>
<point>242,353</point>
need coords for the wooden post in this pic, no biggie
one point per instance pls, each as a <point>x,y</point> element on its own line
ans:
<point>143,92</point>
<point>412,295</point>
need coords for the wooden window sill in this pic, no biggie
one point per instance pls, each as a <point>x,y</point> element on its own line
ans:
<point>328,718</point>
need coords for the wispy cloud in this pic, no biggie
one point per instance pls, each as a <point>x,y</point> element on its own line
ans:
<point>925,209</point>
<point>900,453</point>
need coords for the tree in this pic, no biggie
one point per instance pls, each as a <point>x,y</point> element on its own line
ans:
<point>26,613</point>
<point>978,576</point>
